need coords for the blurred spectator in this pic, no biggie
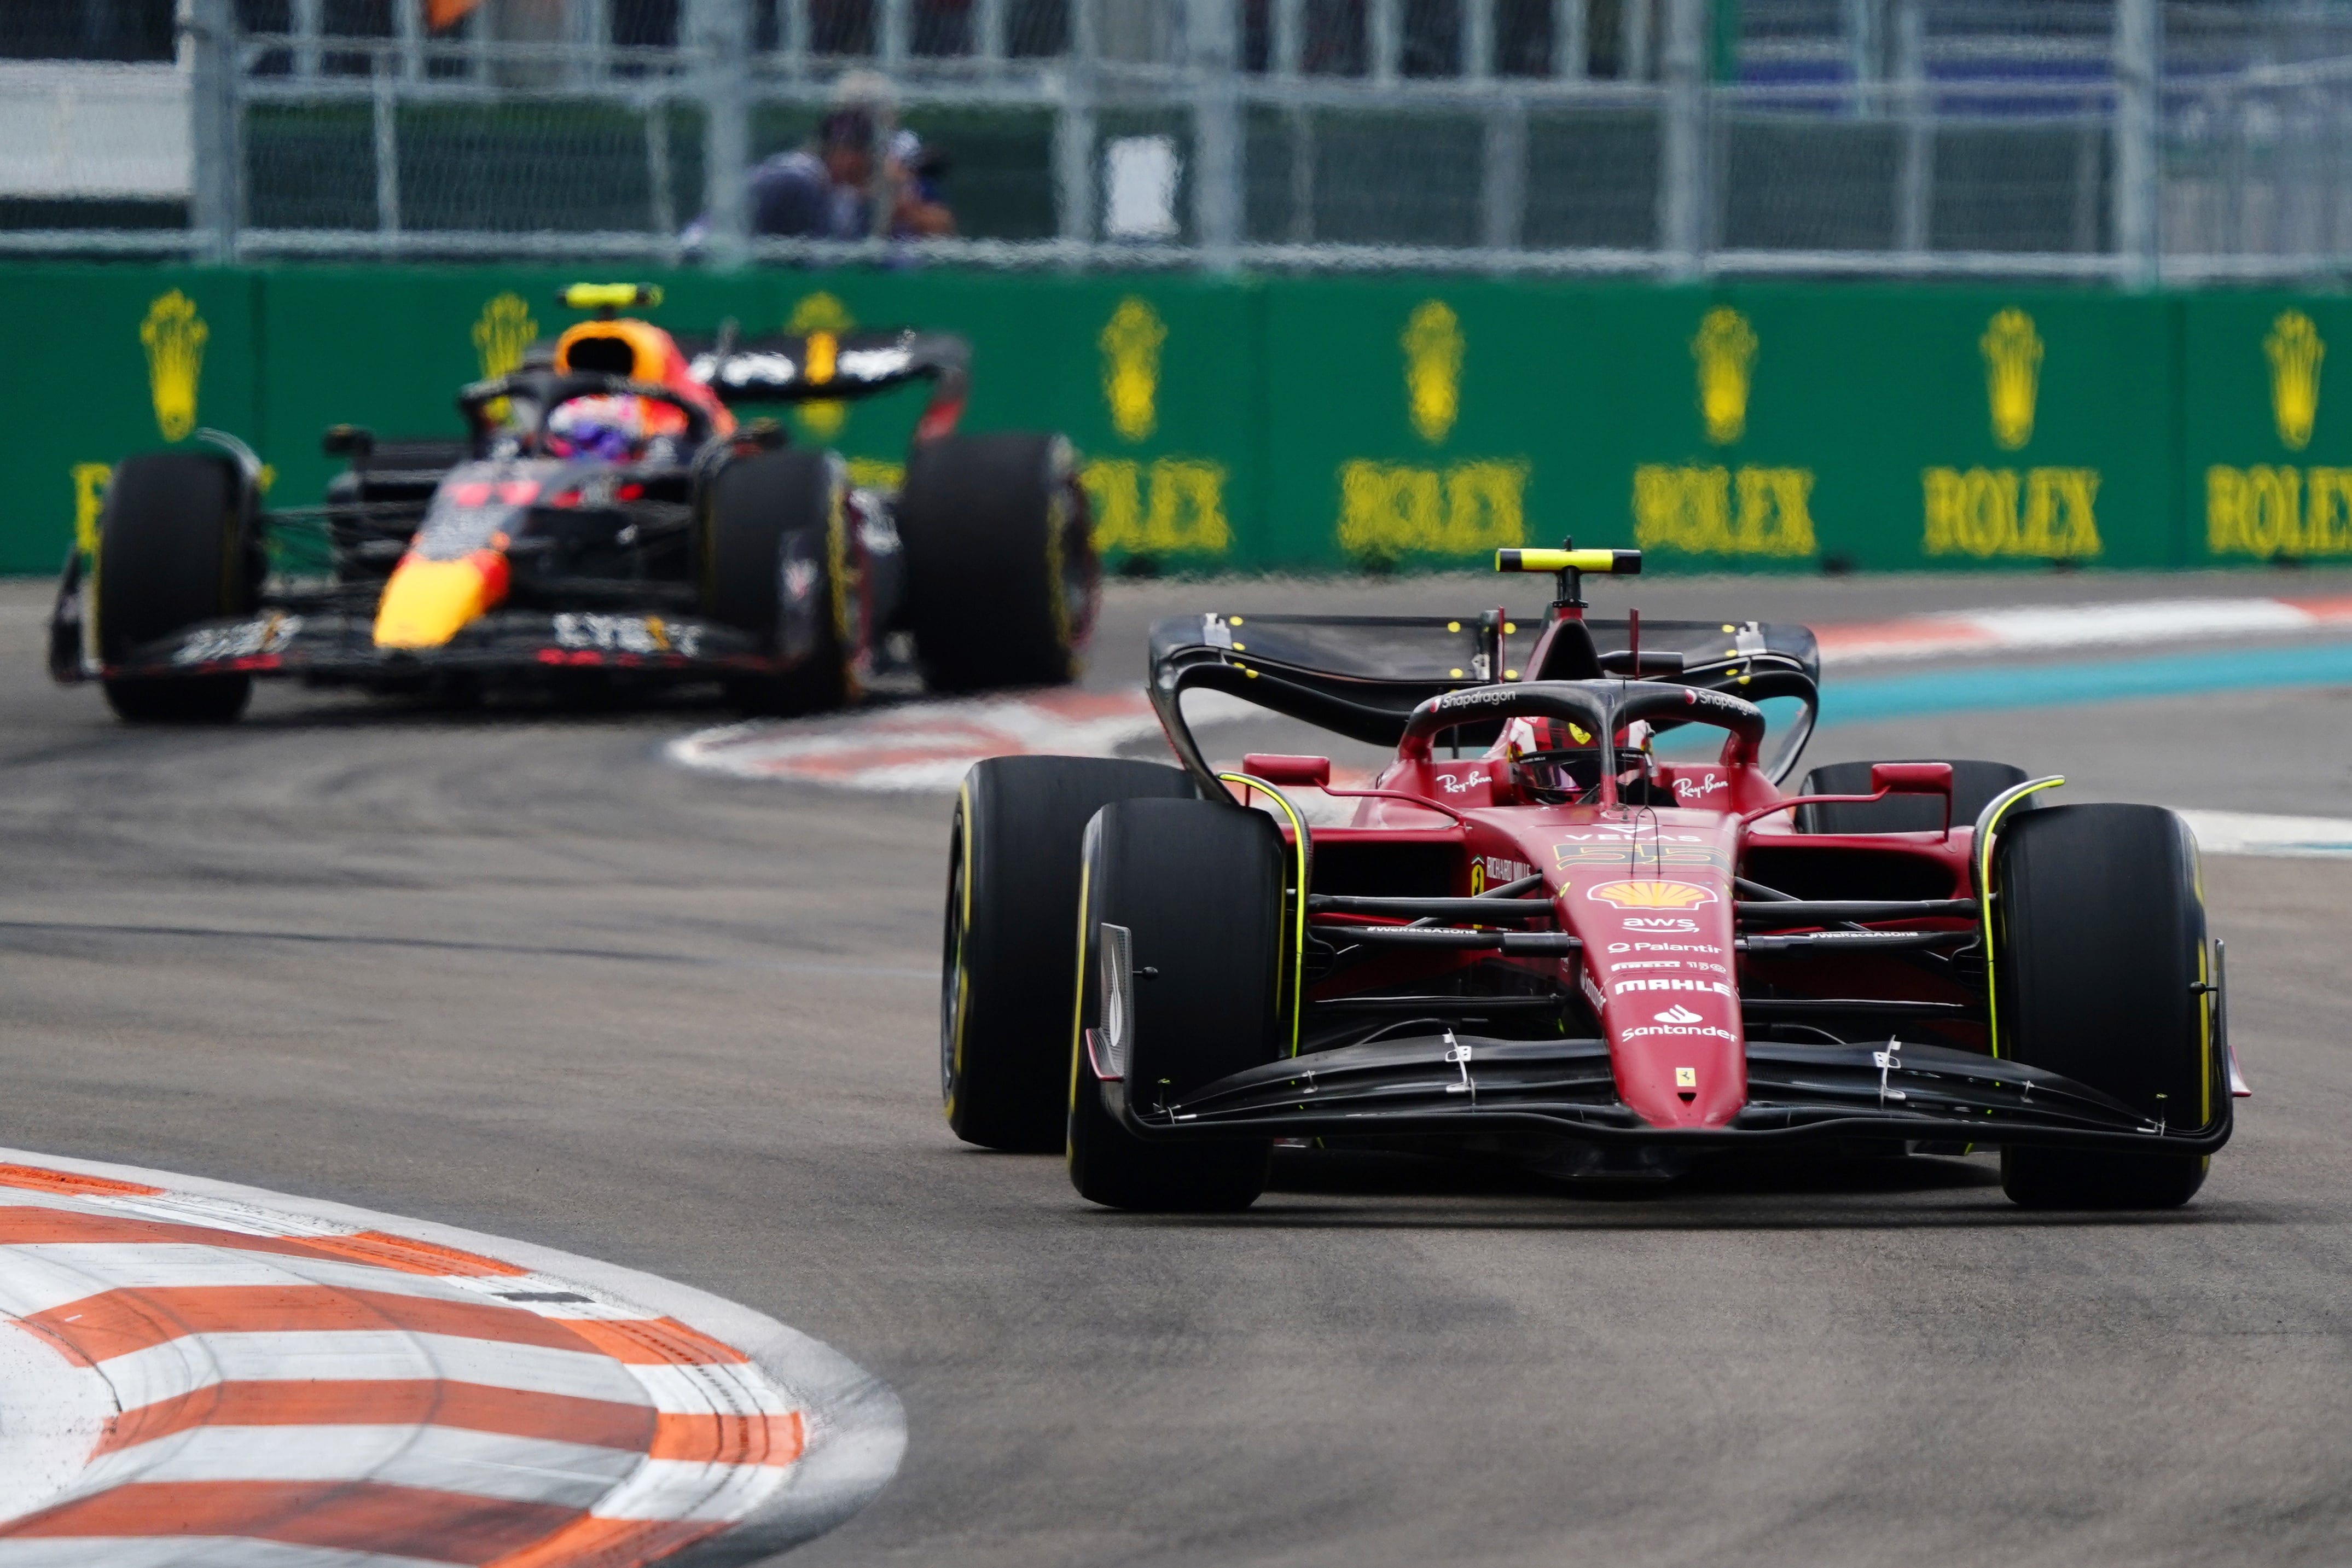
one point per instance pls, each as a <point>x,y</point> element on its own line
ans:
<point>826,191</point>
<point>918,208</point>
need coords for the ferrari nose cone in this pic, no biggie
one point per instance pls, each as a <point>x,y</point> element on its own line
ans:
<point>426,603</point>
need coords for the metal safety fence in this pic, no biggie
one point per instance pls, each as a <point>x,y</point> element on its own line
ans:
<point>2111,140</point>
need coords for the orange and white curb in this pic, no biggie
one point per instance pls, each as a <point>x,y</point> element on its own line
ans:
<point>2055,627</point>
<point>917,746</point>
<point>193,1373</point>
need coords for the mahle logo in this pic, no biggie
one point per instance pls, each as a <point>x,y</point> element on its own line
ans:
<point>1131,377</point>
<point>2294,349</point>
<point>1726,351</point>
<point>2012,356</point>
<point>173,336</point>
<point>1433,369</point>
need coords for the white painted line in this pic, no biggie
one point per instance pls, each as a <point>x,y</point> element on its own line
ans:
<point>167,1337</point>
<point>2247,832</point>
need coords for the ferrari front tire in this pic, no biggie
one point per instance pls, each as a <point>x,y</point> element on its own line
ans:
<point>2099,973</point>
<point>1198,886</point>
<point>1001,580</point>
<point>174,551</point>
<point>1013,902</point>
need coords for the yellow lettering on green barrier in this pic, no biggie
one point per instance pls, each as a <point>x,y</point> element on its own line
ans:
<point>1714,511</point>
<point>90,480</point>
<point>2045,513</point>
<point>2267,511</point>
<point>1169,505</point>
<point>1393,508</point>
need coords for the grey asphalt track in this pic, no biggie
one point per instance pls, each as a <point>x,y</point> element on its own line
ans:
<point>509,971</point>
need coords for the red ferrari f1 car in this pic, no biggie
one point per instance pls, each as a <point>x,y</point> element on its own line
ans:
<point>1576,923</point>
<point>605,517</point>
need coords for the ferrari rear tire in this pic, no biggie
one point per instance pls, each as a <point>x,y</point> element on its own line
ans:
<point>2099,968</point>
<point>1002,579</point>
<point>774,565</point>
<point>1198,885</point>
<point>1013,902</point>
<point>176,548</point>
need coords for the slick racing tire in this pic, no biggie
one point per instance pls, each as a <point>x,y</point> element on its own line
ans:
<point>1013,902</point>
<point>176,547</point>
<point>1198,885</point>
<point>1974,785</point>
<point>1002,579</point>
<point>774,564</point>
<point>2099,964</point>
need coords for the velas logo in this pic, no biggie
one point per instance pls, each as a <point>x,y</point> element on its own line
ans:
<point>1650,895</point>
<point>1678,1013</point>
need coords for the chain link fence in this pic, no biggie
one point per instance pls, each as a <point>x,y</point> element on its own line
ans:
<point>2128,140</point>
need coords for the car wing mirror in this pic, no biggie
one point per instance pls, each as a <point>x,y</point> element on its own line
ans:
<point>1275,768</point>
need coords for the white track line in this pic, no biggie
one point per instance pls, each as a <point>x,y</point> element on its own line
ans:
<point>169,1345</point>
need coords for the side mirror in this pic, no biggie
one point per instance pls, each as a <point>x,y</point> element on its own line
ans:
<point>1911,778</point>
<point>1276,769</point>
<point>354,441</point>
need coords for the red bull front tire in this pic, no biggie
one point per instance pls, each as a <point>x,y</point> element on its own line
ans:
<point>176,548</point>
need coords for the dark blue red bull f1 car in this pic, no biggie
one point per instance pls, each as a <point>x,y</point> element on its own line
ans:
<point>606,511</point>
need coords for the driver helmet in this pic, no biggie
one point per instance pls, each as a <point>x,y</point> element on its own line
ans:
<point>613,427</point>
<point>1558,762</point>
<point>1551,760</point>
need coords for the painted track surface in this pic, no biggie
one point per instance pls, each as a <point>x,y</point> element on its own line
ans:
<point>518,974</point>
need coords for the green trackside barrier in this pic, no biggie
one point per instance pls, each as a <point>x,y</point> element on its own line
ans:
<point>1319,423</point>
<point>111,361</point>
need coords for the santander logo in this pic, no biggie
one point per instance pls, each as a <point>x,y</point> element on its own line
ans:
<point>1678,1013</point>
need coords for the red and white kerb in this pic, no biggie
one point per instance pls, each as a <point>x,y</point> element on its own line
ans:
<point>284,1391</point>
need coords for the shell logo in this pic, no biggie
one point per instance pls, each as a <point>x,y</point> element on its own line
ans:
<point>1650,895</point>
